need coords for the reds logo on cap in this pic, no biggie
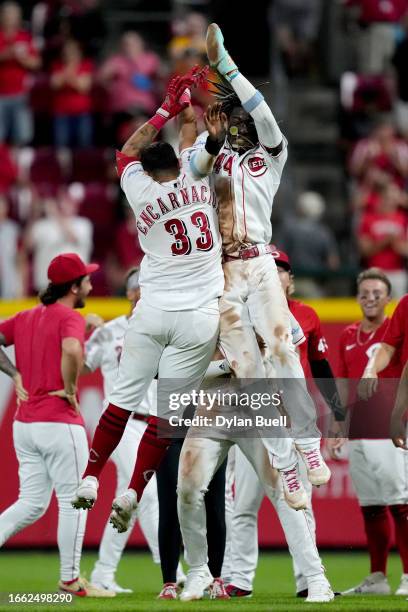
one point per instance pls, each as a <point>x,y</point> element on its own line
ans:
<point>256,166</point>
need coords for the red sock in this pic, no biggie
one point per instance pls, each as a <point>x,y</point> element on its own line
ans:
<point>378,532</point>
<point>149,456</point>
<point>400,515</point>
<point>106,438</point>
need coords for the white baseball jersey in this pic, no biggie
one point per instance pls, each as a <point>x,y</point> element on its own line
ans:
<point>103,350</point>
<point>245,186</point>
<point>178,231</point>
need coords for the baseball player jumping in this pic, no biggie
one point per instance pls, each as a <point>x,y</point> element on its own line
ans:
<point>174,328</point>
<point>247,174</point>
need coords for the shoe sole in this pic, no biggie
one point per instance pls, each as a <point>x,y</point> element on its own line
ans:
<point>120,518</point>
<point>83,503</point>
<point>212,45</point>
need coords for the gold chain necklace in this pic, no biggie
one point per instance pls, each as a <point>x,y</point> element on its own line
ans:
<point>370,337</point>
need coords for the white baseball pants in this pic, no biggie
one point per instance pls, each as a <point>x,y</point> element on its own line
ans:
<point>242,540</point>
<point>51,456</point>
<point>175,344</point>
<point>254,305</point>
<point>379,472</point>
<point>113,543</point>
<point>199,460</point>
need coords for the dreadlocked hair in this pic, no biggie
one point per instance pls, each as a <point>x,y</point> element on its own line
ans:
<point>222,90</point>
<point>224,93</point>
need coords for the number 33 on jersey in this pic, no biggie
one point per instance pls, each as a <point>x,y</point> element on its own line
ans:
<point>177,225</point>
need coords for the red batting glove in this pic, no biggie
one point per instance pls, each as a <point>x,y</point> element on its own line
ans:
<point>178,96</point>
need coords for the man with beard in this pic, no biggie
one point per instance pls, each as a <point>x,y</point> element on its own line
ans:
<point>48,431</point>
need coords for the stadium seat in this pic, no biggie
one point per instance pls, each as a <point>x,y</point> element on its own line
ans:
<point>89,165</point>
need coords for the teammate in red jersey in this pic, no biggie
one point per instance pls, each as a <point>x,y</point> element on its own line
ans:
<point>395,341</point>
<point>378,470</point>
<point>48,431</point>
<point>242,551</point>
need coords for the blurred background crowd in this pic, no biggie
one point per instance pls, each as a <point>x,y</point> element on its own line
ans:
<point>78,76</point>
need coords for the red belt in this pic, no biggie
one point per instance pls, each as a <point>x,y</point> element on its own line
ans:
<point>140,417</point>
<point>250,252</point>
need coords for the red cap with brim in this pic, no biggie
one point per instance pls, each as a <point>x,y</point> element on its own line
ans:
<point>68,267</point>
<point>281,259</point>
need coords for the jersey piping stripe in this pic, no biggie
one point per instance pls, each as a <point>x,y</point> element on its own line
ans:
<point>79,513</point>
<point>243,202</point>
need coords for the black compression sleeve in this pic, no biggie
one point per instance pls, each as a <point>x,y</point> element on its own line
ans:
<point>323,375</point>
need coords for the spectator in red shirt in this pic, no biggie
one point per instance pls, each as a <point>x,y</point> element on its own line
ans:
<point>71,80</point>
<point>377,20</point>
<point>382,238</point>
<point>17,57</point>
<point>381,150</point>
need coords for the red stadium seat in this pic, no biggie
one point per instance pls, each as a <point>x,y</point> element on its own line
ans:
<point>90,165</point>
<point>46,172</point>
<point>98,204</point>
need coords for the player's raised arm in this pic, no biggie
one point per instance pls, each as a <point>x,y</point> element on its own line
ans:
<point>188,128</point>
<point>252,100</point>
<point>202,161</point>
<point>176,100</point>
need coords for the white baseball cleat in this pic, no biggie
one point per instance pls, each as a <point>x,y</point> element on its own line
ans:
<point>319,591</point>
<point>86,494</point>
<point>375,584</point>
<point>293,490</point>
<point>218,56</point>
<point>318,471</point>
<point>403,587</point>
<point>109,584</point>
<point>197,582</point>
<point>123,508</point>
<point>180,576</point>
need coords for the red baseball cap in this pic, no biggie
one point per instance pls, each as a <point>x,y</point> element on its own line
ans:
<point>281,259</point>
<point>67,267</point>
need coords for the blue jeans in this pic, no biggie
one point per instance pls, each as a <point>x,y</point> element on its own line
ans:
<point>15,120</point>
<point>73,130</point>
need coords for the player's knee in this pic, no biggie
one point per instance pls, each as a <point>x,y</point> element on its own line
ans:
<point>35,509</point>
<point>188,494</point>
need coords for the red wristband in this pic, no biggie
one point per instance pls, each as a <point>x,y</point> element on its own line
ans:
<point>158,121</point>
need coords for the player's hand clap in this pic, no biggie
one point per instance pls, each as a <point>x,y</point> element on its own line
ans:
<point>70,397</point>
<point>93,321</point>
<point>368,384</point>
<point>216,122</point>
<point>22,394</point>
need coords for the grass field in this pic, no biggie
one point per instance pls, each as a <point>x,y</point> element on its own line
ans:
<point>25,572</point>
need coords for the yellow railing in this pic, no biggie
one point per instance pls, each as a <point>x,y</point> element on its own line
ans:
<point>329,310</point>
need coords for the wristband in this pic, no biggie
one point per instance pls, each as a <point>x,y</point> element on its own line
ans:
<point>158,121</point>
<point>213,147</point>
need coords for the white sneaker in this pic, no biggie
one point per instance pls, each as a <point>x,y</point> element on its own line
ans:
<point>108,584</point>
<point>319,591</point>
<point>123,508</point>
<point>197,582</point>
<point>293,490</point>
<point>318,471</point>
<point>376,584</point>
<point>86,494</point>
<point>403,587</point>
<point>180,576</point>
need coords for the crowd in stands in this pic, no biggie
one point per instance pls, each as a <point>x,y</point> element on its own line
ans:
<point>68,99</point>
<point>374,131</point>
<point>66,102</point>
